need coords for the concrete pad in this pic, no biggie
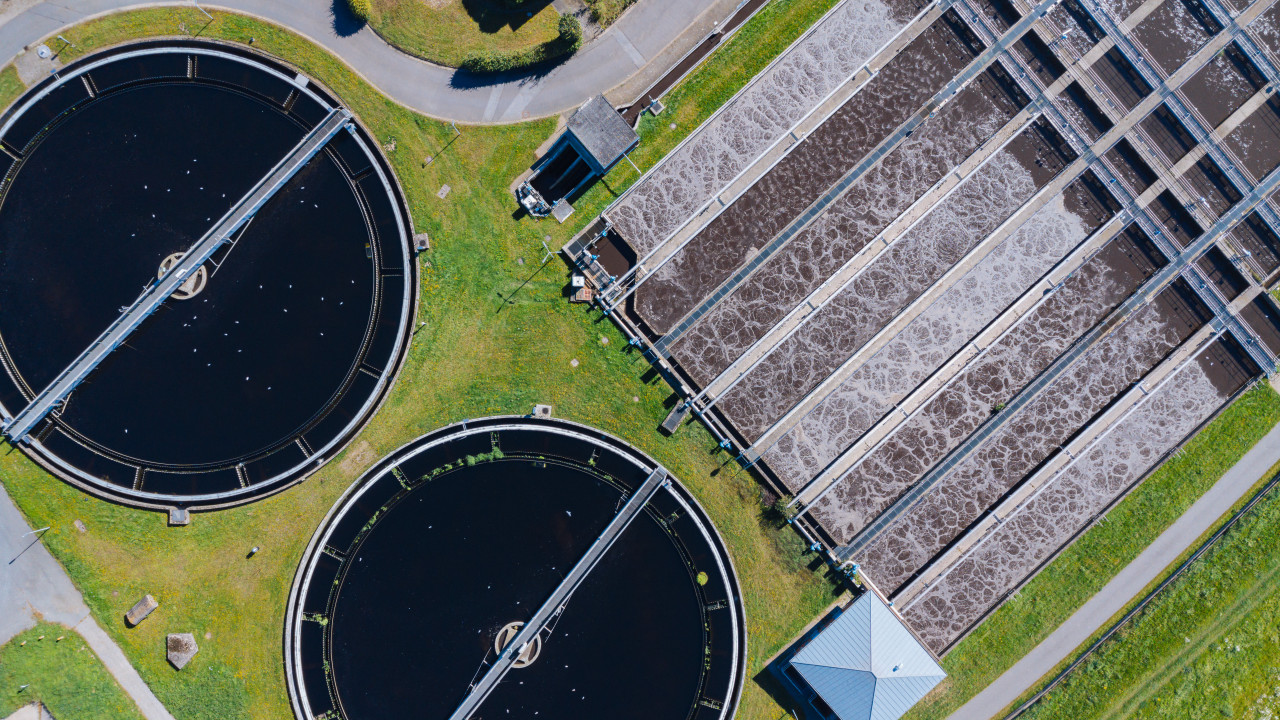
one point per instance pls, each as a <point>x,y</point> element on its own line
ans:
<point>32,68</point>
<point>31,582</point>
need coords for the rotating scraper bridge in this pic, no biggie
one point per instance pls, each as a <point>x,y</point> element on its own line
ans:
<point>593,533</point>
<point>554,604</point>
<point>273,174</point>
<point>991,256</point>
<point>18,427</point>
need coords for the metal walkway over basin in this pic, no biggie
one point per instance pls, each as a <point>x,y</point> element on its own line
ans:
<point>159,290</point>
<point>560,596</point>
<point>1160,280</point>
<point>976,67</point>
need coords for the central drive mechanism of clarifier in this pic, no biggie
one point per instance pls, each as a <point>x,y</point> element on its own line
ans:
<point>530,651</point>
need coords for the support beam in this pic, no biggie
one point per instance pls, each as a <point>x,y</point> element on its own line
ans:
<point>1207,140</point>
<point>1133,207</point>
<point>1076,447</point>
<point>714,200</point>
<point>1089,158</point>
<point>975,68</point>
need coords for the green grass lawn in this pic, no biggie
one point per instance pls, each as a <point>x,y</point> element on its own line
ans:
<point>1207,647</point>
<point>485,349</point>
<point>1082,569</point>
<point>449,31</point>
<point>605,12</point>
<point>498,338</point>
<point>10,86</point>
<point>64,675</point>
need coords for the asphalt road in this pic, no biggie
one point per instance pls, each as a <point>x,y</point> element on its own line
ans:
<point>638,37</point>
<point>1126,585</point>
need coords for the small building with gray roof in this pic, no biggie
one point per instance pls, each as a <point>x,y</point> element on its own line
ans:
<point>595,139</point>
<point>859,663</point>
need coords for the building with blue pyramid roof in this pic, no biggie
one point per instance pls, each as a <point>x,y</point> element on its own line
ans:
<point>861,663</point>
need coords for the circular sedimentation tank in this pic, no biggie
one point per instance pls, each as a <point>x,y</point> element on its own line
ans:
<point>269,359</point>
<point>431,563</point>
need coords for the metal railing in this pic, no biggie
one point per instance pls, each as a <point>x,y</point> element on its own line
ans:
<point>975,68</point>
<point>1182,263</point>
<point>1205,137</point>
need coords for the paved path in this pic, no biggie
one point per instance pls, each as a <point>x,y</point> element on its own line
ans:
<point>34,711</point>
<point>649,34</point>
<point>1125,586</point>
<point>32,581</point>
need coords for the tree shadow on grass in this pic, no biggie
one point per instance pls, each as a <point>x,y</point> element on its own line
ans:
<point>494,15</point>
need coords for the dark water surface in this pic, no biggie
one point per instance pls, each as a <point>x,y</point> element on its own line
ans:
<point>237,384</point>
<point>453,562</point>
<point>259,351</point>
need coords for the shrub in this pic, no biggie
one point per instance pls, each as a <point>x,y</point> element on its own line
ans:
<point>362,9</point>
<point>783,510</point>
<point>570,33</point>
<point>489,62</point>
<point>605,12</point>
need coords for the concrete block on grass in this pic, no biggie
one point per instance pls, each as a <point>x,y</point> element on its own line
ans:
<point>141,610</point>
<point>181,648</point>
